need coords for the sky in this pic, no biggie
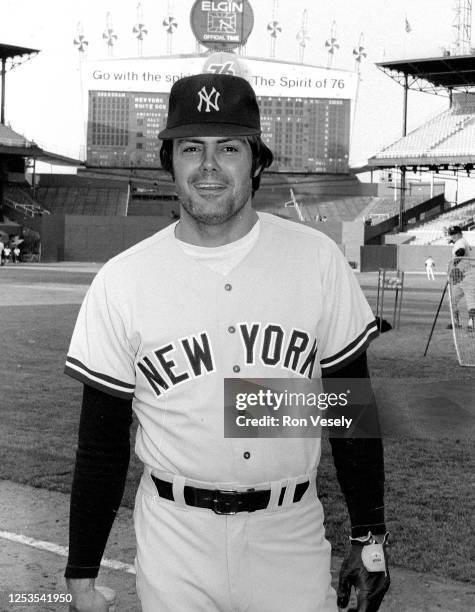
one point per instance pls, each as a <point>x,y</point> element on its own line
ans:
<point>43,95</point>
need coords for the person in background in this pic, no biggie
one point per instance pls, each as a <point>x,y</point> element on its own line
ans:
<point>462,277</point>
<point>7,254</point>
<point>430,265</point>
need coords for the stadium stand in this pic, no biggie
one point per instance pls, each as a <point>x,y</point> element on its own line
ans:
<point>74,195</point>
<point>385,207</point>
<point>341,197</point>
<point>341,209</point>
<point>11,139</point>
<point>460,143</point>
<point>373,209</point>
<point>433,137</point>
<point>434,232</point>
<point>448,137</point>
<point>445,143</point>
<point>19,198</point>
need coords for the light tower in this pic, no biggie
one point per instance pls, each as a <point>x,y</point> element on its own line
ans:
<point>359,54</point>
<point>80,41</point>
<point>139,29</point>
<point>302,36</point>
<point>462,27</point>
<point>170,24</point>
<point>109,35</point>
<point>332,45</point>
<point>274,28</point>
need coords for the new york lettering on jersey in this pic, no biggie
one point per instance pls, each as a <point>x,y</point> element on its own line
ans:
<point>189,358</point>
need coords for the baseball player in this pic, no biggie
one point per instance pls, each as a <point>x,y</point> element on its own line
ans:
<point>221,523</point>
<point>462,277</point>
<point>430,265</point>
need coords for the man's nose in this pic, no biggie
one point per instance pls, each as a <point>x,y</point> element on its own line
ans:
<point>209,162</point>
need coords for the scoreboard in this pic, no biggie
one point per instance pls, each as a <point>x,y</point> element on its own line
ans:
<point>307,135</point>
<point>123,128</point>
<point>305,113</point>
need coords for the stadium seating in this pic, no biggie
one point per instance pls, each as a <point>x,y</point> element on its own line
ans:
<point>445,132</point>
<point>341,209</point>
<point>435,231</point>
<point>460,143</point>
<point>373,208</point>
<point>20,199</point>
<point>73,200</point>
<point>387,207</point>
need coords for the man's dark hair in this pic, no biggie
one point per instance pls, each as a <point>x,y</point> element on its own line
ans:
<point>262,157</point>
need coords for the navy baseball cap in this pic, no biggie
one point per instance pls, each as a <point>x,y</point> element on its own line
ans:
<point>454,229</point>
<point>212,105</point>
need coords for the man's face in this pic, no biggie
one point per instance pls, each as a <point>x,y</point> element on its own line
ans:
<point>212,177</point>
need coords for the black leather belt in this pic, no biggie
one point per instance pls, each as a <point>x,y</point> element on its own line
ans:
<point>226,501</point>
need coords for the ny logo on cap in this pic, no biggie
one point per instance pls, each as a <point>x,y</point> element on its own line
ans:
<point>206,98</point>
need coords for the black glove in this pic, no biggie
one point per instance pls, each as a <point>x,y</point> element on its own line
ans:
<point>365,568</point>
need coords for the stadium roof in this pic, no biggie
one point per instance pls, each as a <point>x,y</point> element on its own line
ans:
<point>12,143</point>
<point>8,51</point>
<point>433,74</point>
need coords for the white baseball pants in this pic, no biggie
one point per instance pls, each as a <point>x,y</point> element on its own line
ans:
<point>271,560</point>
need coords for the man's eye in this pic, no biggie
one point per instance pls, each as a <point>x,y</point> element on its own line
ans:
<point>190,149</point>
<point>230,149</point>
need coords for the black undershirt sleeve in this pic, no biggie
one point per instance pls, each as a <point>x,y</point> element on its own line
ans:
<point>102,460</point>
<point>359,464</point>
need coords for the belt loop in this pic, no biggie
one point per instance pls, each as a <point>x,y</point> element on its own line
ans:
<point>312,479</point>
<point>178,490</point>
<point>275,488</point>
<point>289,492</point>
<point>282,489</point>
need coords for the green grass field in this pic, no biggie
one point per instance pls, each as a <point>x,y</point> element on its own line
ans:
<point>430,478</point>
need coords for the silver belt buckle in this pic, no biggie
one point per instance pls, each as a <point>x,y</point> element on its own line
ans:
<point>218,501</point>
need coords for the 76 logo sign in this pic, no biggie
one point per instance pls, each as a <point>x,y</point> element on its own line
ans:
<point>226,68</point>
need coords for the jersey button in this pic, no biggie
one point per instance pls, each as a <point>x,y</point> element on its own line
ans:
<point>231,329</point>
<point>247,455</point>
<point>228,287</point>
<point>236,369</point>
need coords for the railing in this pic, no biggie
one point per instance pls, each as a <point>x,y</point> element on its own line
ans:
<point>29,210</point>
<point>373,231</point>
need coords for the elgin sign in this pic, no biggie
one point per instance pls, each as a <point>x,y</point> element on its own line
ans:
<point>222,25</point>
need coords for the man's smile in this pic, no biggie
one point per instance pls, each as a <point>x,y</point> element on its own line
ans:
<point>209,186</point>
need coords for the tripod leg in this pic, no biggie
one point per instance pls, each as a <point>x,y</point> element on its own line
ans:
<point>435,318</point>
<point>377,302</point>
<point>396,299</point>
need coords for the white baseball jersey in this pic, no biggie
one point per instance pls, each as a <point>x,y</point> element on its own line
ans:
<point>165,330</point>
<point>461,243</point>
<point>467,285</point>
